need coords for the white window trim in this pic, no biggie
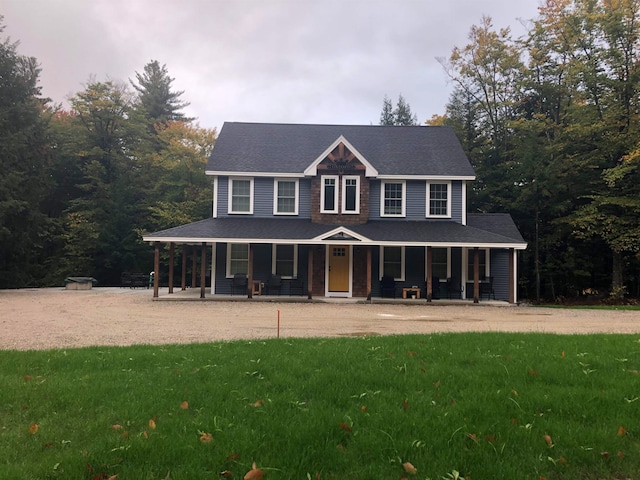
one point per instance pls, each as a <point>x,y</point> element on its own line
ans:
<point>344,194</point>
<point>295,260</point>
<point>228,271</point>
<point>336,190</point>
<point>404,199</point>
<point>214,212</point>
<point>428,206</point>
<point>402,261</point>
<point>275,195</point>
<point>230,195</point>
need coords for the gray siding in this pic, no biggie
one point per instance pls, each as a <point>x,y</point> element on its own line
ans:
<point>304,202</point>
<point>500,273</point>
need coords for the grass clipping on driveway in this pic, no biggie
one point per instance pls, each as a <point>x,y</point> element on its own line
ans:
<point>489,405</point>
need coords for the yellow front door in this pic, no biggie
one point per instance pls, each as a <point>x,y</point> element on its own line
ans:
<point>339,268</point>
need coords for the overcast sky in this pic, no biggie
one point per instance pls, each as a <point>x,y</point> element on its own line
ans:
<point>291,61</point>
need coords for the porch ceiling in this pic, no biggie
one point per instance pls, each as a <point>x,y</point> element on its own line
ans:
<point>490,230</point>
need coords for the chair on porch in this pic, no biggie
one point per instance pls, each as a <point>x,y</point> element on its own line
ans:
<point>454,290</point>
<point>486,288</point>
<point>274,284</point>
<point>239,281</point>
<point>435,287</point>
<point>296,287</point>
<point>388,286</point>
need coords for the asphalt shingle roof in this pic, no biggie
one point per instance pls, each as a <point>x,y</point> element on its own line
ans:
<point>291,148</point>
<point>494,229</point>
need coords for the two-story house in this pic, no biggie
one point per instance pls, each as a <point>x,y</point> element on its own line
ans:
<point>331,210</point>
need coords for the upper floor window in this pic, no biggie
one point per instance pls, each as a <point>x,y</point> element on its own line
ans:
<point>392,199</point>
<point>285,200</point>
<point>285,261</point>
<point>350,194</point>
<point>241,195</point>
<point>392,262</point>
<point>237,259</point>
<point>438,199</point>
<point>329,194</point>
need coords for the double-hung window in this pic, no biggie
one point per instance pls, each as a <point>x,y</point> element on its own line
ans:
<point>237,258</point>
<point>285,260</point>
<point>286,197</point>
<point>392,262</point>
<point>483,265</point>
<point>241,195</point>
<point>329,194</point>
<point>439,199</point>
<point>350,194</point>
<point>392,199</point>
<point>439,263</point>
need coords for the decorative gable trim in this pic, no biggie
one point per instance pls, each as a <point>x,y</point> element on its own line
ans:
<point>312,170</point>
<point>340,234</point>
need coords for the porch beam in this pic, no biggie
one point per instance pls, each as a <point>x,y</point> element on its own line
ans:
<point>172,259</point>
<point>183,286</point>
<point>203,264</point>
<point>156,268</point>
<point>310,273</point>
<point>476,275</point>
<point>368,250</point>
<point>429,273</point>
<point>512,275</point>
<point>194,266</point>
<point>250,273</point>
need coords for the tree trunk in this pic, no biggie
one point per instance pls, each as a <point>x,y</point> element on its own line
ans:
<point>617,281</point>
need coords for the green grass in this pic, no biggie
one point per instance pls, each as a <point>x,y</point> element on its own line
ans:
<point>351,408</point>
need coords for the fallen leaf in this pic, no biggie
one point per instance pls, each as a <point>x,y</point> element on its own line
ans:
<point>533,373</point>
<point>226,474</point>
<point>346,427</point>
<point>152,424</point>
<point>411,353</point>
<point>48,444</point>
<point>409,468</point>
<point>473,437</point>
<point>26,378</point>
<point>33,429</point>
<point>113,477</point>
<point>206,437</point>
<point>116,426</point>
<point>258,403</point>
<point>125,434</point>
<point>254,474</point>
<point>184,405</point>
<point>437,384</point>
<point>514,393</point>
<point>604,454</point>
<point>562,355</point>
<point>563,460</point>
<point>620,454</point>
<point>233,456</point>
<point>622,431</point>
<point>145,434</point>
<point>547,439</point>
<point>405,404</point>
<point>363,408</point>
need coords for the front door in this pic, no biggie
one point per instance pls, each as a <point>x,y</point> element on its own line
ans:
<point>339,262</point>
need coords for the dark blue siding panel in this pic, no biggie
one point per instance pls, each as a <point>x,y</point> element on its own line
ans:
<point>262,197</point>
<point>500,273</point>
<point>223,196</point>
<point>456,201</point>
<point>304,202</point>
<point>416,200</point>
<point>374,200</point>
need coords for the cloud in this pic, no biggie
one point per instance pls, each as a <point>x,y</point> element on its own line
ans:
<point>312,61</point>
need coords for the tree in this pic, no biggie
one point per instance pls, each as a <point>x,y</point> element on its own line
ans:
<point>400,116</point>
<point>24,181</point>
<point>160,103</point>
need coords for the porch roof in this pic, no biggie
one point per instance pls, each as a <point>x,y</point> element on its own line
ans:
<point>482,230</point>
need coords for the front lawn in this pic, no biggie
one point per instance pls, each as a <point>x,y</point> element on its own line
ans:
<point>481,406</point>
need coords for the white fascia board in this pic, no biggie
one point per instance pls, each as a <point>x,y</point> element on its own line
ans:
<point>312,170</point>
<point>255,174</point>
<point>443,178</point>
